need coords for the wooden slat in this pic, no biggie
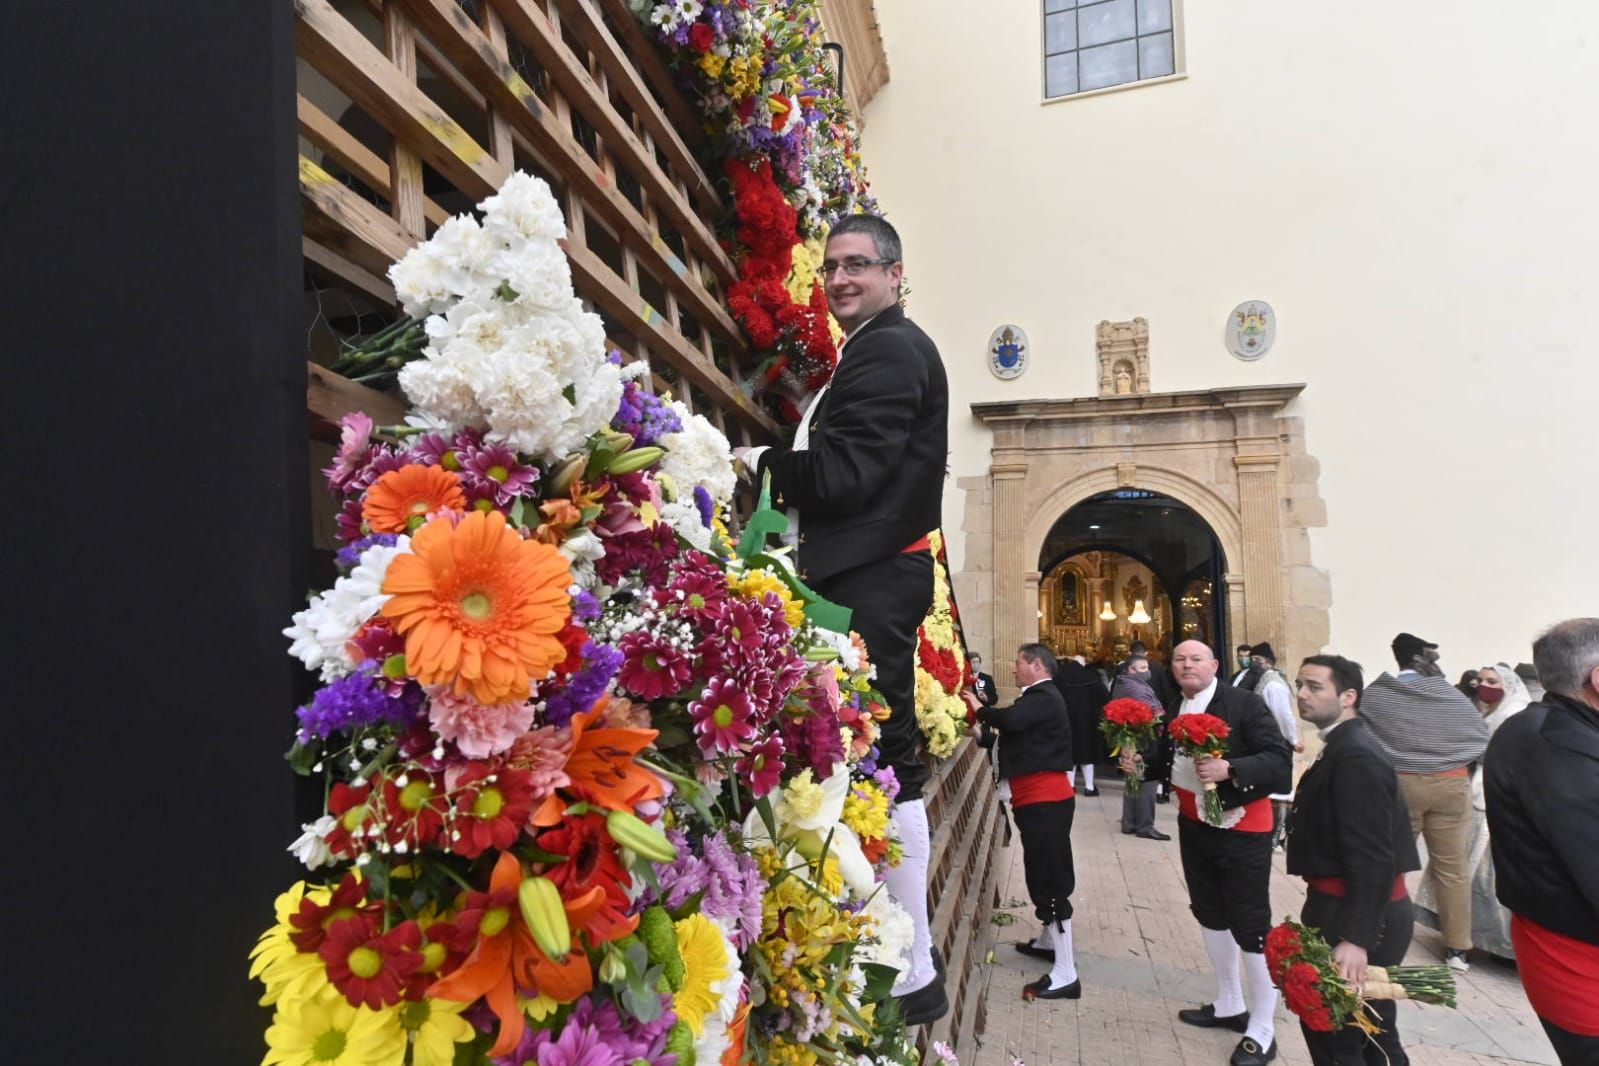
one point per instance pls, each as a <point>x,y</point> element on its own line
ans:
<point>329,397</point>
<point>644,55</point>
<point>405,166</point>
<point>612,294</point>
<point>352,215</point>
<point>318,127</point>
<point>363,73</point>
<point>345,270</point>
<point>594,104</point>
<point>475,55</point>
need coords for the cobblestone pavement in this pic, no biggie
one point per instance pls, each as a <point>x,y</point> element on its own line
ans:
<point>1140,957</point>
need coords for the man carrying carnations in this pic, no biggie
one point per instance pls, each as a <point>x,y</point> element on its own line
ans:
<point>1228,866</point>
<point>1349,838</point>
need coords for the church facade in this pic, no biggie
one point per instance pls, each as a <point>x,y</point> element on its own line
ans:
<point>1320,281</point>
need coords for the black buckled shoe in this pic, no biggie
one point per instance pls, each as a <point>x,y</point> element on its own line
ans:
<point>1206,1018</point>
<point>1040,989</point>
<point>1154,834</point>
<point>925,1005</point>
<point>1250,1053</point>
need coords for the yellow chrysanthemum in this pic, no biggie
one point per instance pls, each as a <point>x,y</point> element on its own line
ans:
<point>712,64</point>
<point>754,584</point>
<point>284,969</point>
<point>803,274</point>
<point>706,964</point>
<point>868,814</point>
<point>325,1030</point>
<point>803,795</point>
<point>436,1026</point>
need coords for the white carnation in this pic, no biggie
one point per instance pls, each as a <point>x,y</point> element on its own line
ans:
<point>419,282</point>
<point>441,394</point>
<point>895,930</point>
<point>699,455</point>
<point>321,631</point>
<point>583,550</point>
<point>469,255</point>
<point>684,517</point>
<point>523,210</point>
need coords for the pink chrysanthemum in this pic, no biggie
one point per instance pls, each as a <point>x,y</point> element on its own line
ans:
<point>355,433</point>
<point>697,594</point>
<point>722,718</point>
<point>496,466</point>
<point>478,730</point>
<point>762,766</point>
<point>652,667</point>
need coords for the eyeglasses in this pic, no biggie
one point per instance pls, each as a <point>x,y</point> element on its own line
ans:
<point>853,267</point>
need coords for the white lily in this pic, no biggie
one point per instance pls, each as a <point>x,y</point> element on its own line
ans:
<point>806,812</point>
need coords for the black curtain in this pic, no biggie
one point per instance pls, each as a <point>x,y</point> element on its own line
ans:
<point>155,519</point>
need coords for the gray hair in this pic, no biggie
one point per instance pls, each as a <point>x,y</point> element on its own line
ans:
<point>1038,653</point>
<point>884,236</point>
<point>1567,655</point>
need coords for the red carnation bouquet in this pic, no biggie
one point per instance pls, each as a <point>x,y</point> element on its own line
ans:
<point>1128,725</point>
<point>1301,964</point>
<point>1202,735</point>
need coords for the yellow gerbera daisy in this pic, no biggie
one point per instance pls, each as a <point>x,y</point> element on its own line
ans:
<point>705,965</point>
<point>436,1026</point>
<point>326,1031</point>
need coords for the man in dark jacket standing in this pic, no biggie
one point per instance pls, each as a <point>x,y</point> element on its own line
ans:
<point>1085,697</point>
<point>864,483</point>
<point>1349,838</point>
<point>1035,742</point>
<point>1542,790</point>
<point>982,684</point>
<point>1228,867</point>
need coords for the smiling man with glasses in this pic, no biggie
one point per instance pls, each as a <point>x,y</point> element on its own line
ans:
<point>863,482</point>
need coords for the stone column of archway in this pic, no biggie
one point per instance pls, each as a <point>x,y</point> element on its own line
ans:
<point>1014,623</point>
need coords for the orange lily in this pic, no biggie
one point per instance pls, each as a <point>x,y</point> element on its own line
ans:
<point>505,958</point>
<point>602,769</point>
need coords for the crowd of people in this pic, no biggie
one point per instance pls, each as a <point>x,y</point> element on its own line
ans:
<point>1499,783</point>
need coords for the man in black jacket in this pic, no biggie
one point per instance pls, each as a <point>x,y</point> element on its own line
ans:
<point>1035,758</point>
<point>982,684</point>
<point>864,483</point>
<point>1228,867</point>
<point>1541,781</point>
<point>1349,838</point>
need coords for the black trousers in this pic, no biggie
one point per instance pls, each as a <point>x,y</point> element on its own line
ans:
<point>890,600</point>
<point>1229,880</point>
<point>1349,1046</point>
<point>1046,830</point>
<point>1573,1049</point>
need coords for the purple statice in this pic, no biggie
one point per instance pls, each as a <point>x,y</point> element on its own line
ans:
<point>356,701</point>
<point>644,415</point>
<point>349,555</point>
<point>585,608</point>
<point>600,664</point>
<point>733,890</point>
<point>706,505</point>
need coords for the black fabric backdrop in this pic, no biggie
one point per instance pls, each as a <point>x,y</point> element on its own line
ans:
<point>156,532</point>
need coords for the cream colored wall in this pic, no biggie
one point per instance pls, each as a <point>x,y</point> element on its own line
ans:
<point>1409,185</point>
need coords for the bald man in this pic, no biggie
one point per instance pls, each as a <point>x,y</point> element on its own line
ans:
<point>1228,866</point>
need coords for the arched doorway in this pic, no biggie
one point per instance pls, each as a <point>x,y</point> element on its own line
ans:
<point>1130,565</point>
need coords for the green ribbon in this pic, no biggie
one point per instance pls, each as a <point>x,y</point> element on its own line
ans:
<point>765,522</point>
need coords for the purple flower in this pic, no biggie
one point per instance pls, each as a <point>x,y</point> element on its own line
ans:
<point>585,608</point>
<point>349,555</point>
<point>496,467</point>
<point>600,664</point>
<point>707,506</point>
<point>355,701</point>
<point>645,415</point>
<point>733,889</point>
<point>596,1034</point>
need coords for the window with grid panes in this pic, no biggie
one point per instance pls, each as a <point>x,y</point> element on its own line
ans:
<point>1095,44</point>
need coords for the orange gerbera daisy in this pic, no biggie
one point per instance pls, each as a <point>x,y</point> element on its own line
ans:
<point>402,499</point>
<point>480,608</point>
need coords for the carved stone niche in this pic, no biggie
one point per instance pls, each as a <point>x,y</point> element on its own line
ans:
<point>1123,357</point>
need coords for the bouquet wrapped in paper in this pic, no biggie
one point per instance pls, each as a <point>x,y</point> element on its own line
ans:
<point>1128,725</point>
<point>1301,964</point>
<point>1202,736</point>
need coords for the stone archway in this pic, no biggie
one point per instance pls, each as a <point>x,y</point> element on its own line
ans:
<point>1231,455</point>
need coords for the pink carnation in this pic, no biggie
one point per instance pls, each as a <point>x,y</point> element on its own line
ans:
<point>478,730</point>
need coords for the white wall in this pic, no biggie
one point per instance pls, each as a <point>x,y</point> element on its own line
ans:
<point>1411,186</point>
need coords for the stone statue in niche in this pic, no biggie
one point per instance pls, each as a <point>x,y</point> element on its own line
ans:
<point>1124,379</point>
<point>1123,352</point>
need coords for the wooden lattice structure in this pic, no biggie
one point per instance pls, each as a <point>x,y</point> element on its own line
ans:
<point>412,110</point>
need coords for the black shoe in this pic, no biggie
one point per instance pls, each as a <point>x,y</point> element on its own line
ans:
<point>1032,950</point>
<point>1090,791</point>
<point>925,1005</point>
<point>1040,989</point>
<point>1250,1053</point>
<point>1206,1018</point>
<point>1154,834</point>
<point>1128,832</point>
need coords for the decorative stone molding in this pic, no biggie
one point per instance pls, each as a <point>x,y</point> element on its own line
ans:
<point>1123,357</point>
<point>1231,455</point>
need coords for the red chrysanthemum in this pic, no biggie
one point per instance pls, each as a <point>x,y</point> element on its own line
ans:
<point>369,967</point>
<point>652,668</point>
<point>352,815</point>
<point>762,766</point>
<point>414,812</point>
<point>491,804</point>
<point>722,718</point>
<point>348,901</point>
